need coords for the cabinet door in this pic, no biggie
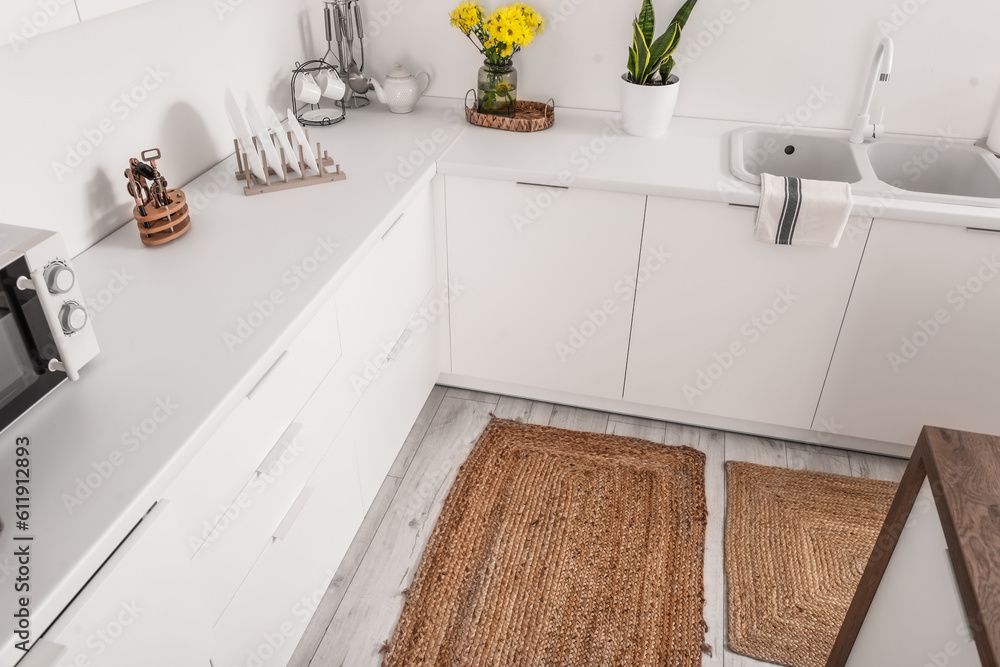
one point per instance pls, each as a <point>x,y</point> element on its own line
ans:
<point>919,344</point>
<point>542,277</point>
<point>383,418</point>
<point>143,606</point>
<point>729,326</point>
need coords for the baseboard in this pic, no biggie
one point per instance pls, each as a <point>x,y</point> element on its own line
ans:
<point>680,416</point>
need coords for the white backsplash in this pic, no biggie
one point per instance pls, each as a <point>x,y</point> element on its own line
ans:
<point>78,103</point>
<point>798,61</point>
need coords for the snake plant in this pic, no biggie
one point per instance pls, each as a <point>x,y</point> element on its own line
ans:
<point>648,57</point>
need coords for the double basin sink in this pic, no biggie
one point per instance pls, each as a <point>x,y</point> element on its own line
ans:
<point>932,169</point>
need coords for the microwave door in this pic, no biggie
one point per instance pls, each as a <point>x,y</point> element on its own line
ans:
<point>26,346</point>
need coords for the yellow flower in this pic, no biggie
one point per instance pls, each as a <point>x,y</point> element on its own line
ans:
<point>467,16</point>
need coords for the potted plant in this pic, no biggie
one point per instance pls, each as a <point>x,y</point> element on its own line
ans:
<point>498,36</point>
<point>649,88</point>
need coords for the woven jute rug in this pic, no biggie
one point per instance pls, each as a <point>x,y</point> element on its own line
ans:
<point>797,543</point>
<point>557,547</point>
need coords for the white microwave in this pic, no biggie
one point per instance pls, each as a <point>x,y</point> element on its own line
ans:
<point>45,333</point>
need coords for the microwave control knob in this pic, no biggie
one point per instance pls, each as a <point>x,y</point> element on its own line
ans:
<point>72,317</point>
<point>59,278</point>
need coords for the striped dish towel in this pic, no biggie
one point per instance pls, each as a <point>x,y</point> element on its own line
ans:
<point>797,211</point>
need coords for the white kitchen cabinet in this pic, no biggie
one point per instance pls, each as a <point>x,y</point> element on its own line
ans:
<point>541,277</point>
<point>271,609</point>
<point>227,462</point>
<point>726,325</point>
<point>919,343</point>
<point>143,607</point>
<point>383,418</point>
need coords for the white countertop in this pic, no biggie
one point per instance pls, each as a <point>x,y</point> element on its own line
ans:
<point>161,314</point>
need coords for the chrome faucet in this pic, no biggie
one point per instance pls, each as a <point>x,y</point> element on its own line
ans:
<point>880,70</point>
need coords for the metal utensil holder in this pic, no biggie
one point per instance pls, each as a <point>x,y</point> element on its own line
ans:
<point>343,21</point>
<point>336,115</point>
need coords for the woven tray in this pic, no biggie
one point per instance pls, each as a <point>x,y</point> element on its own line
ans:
<point>528,116</point>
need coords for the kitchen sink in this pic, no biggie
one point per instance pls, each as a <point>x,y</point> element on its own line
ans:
<point>931,169</point>
<point>936,167</point>
<point>815,156</point>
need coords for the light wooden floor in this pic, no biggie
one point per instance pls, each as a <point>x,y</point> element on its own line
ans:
<point>359,611</point>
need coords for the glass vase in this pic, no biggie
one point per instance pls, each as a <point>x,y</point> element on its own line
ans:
<point>497,89</point>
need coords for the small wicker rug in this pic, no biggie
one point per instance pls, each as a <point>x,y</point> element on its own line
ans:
<point>557,548</point>
<point>797,543</point>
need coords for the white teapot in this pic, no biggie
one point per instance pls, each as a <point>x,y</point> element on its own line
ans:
<point>401,89</point>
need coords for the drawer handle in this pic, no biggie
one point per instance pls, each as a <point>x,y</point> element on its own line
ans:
<point>278,450</point>
<point>542,185</point>
<point>393,225</point>
<point>754,206</point>
<point>982,230</point>
<point>404,340</point>
<point>43,653</point>
<point>267,374</point>
<point>293,513</point>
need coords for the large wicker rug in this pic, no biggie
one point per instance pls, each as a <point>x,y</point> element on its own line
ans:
<point>556,547</point>
<point>796,545</point>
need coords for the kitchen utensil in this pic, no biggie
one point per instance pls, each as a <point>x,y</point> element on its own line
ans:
<point>306,89</point>
<point>242,131</point>
<point>401,89</point>
<point>330,85</point>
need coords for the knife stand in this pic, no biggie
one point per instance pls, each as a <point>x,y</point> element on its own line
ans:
<point>282,177</point>
<point>161,224</point>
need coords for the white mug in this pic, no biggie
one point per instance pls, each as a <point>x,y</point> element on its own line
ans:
<point>330,85</point>
<point>306,89</point>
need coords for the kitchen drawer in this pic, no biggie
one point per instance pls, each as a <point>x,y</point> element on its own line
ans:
<point>259,425</point>
<point>249,522</point>
<point>383,418</point>
<point>142,602</point>
<point>377,299</point>
<point>271,610</point>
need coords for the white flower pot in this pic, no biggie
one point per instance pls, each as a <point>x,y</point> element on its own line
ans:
<point>647,110</point>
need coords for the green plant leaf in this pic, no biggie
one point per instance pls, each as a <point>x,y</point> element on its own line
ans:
<point>647,20</point>
<point>664,46</point>
<point>642,69</point>
<point>682,15</point>
<point>631,62</point>
<point>666,68</point>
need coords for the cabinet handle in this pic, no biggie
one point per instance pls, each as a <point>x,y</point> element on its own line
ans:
<point>982,230</point>
<point>267,374</point>
<point>272,457</point>
<point>754,206</point>
<point>293,513</point>
<point>43,653</point>
<point>404,339</point>
<point>542,185</point>
<point>393,225</point>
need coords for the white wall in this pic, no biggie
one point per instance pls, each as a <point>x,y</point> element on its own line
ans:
<point>62,93</point>
<point>760,67</point>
